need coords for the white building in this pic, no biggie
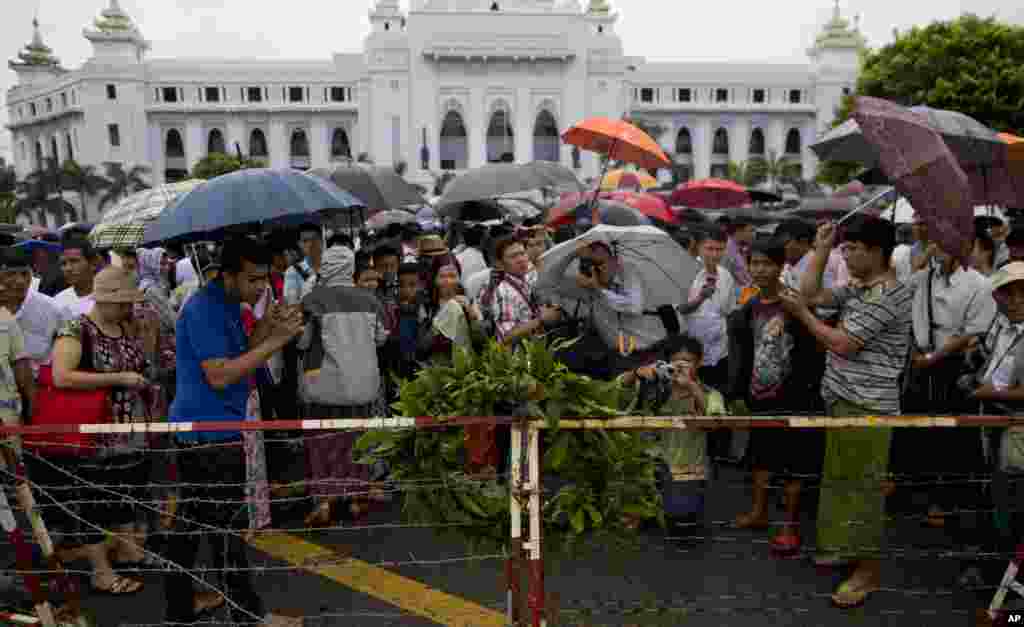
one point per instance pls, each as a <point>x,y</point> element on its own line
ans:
<point>453,84</point>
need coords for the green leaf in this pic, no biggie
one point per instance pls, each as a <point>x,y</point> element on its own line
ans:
<point>556,455</point>
<point>578,521</point>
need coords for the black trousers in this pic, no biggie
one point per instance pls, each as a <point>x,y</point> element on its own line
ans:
<point>218,473</point>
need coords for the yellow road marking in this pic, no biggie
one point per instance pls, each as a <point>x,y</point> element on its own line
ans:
<point>407,594</point>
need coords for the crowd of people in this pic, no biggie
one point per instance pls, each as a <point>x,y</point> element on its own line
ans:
<point>807,320</point>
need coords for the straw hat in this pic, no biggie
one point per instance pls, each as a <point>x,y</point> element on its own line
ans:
<point>1009,273</point>
<point>116,285</point>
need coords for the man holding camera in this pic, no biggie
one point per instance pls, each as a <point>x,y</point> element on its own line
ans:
<point>508,301</point>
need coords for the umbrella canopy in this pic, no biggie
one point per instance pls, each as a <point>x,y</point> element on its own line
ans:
<point>383,219</point>
<point>379,188</point>
<point>31,245</point>
<point>563,177</point>
<point>619,140</point>
<point>759,195</point>
<point>627,178</point>
<point>650,205</point>
<point>124,225</point>
<point>611,212</point>
<point>923,169</point>
<point>711,194</point>
<point>500,179</point>
<point>831,208</point>
<point>649,258</point>
<point>971,142</point>
<point>248,198</point>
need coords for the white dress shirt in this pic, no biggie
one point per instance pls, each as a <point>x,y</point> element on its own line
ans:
<point>708,323</point>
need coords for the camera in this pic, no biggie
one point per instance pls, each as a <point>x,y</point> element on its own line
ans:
<point>665,370</point>
<point>587,267</point>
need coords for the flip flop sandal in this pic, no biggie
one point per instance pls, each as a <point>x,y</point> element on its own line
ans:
<point>120,586</point>
<point>849,595</point>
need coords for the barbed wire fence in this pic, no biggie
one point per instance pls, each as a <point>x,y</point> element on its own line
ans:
<point>531,604</point>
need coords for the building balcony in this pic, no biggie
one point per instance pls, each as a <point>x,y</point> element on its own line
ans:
<point>44,118</point>
<point>254,107</point>
<point>721,107</point>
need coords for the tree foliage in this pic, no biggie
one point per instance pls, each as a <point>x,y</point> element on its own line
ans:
<point>218,164</point>
<point>8,179</point>
<point>972,65</point>
<point>83,179</point>
<point>123,182</point>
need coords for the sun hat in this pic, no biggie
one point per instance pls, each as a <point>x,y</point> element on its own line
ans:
<point>115,285</point>
<point>1009,273</point>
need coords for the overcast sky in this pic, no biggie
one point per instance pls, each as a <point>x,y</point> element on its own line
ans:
<point>304,29</point>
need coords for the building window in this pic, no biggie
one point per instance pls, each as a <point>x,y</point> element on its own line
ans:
<point>74,96</point>
<point>257,143</point>
<point>64,100</point>
<point>793,142</point>
<point>32,109</point>
<point>721,95</point>
<point>684,95</point>
<point>647,94</point>
<point>21,151</point>
<point>758,96</point>
<point>175,148</point>
<point>215,143</point>
<point>49,105</point>
<point>211,94</point>
<point>720,143</point>
<point>170,94</point>
<point>846,91</point>
<point>396,85</point>
<point>338,94</point>
<point>254,94</point>
<point>295,94</point>
<point>111,92</point>
<point>794,96</point>
<point>684,143</point>
<point>114,133</point>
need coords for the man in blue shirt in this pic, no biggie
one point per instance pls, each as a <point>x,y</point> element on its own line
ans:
<point>214,363</point>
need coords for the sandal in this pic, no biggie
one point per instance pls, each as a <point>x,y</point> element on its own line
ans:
<point>751,521</point>
<point>786,542</point>
<point>851,594</point>
<point>119,586</point>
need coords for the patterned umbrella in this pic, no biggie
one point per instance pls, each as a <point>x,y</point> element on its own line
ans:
<point>124,225</point>
<point>924,170</point>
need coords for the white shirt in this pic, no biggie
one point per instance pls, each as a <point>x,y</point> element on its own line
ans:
<point>708,323</point>
<point>472,261</point>
<point>75,305</point>
<point>39,317</point>
<point>476,283</point>
<point>901,262</point>
<point>184,272</point>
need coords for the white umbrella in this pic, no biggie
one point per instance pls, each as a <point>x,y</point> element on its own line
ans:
<point>648,256</point>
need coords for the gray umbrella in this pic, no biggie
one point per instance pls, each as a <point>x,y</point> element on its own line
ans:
<point>972,142</point>
<point>378,187</point>
<point>500,179</point>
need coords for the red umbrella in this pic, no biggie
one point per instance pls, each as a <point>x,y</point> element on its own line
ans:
<point>710,194</point>
<point>650,205</point>
<point>916,159</point>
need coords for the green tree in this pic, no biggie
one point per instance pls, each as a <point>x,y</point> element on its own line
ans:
<point>8,207</point>
<point>743,173</point>
<point>217,164</point>
<point>85,180</point>
<point>972,65</point>
<point>123,182</point>
<point>41,191</point>
<point>8,179</point>
<point>774,169</point>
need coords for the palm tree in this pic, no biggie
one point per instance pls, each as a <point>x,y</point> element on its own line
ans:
<point>85,181</point>
<point>42,191</point>
<point>123,182</point>
<point>743,173</point>
<point>33,194</point>
<point>8,179</point>
<point>8,207</point>
<point>775,169</point>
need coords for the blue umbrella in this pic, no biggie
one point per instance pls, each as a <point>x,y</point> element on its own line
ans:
<point>249,198</point>
<point>31,245</point>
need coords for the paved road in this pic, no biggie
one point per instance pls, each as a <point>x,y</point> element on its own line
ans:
<point>728,579</point>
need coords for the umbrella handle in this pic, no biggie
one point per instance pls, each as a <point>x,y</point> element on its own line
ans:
<point>863,207</point>
<point>595,217</point>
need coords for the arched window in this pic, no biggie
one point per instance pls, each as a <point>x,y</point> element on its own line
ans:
<point>793,142</point>
<point>299,143</point>
<point>54,153</point>
<point>68,147</point>
<point>454,145</point>
<point>501,144</point>
<point>756,142</point>
<point>215,142</point>
<point>257,143</point>
<point>174,148</point>
<point>720,145</point>
<point>545,137</point>
<point>39,156</point>
<point>684,143</point>
<point>340,147</point>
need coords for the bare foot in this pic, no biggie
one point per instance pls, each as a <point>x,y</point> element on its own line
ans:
<point>752,520</point>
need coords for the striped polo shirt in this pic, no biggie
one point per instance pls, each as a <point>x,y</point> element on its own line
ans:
<point>879,317</point>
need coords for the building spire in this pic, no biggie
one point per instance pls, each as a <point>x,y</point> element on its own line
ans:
<point>838,34</point>
<point>36,53</point>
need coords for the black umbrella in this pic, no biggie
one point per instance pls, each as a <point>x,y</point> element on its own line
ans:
<point>757,195</point>
<point>378,187</point>
<point>501,179</point>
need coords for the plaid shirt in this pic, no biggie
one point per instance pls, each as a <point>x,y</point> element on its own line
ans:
<point>508,308</point>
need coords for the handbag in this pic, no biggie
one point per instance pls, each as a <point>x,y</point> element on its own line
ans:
<point>63,406</point>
